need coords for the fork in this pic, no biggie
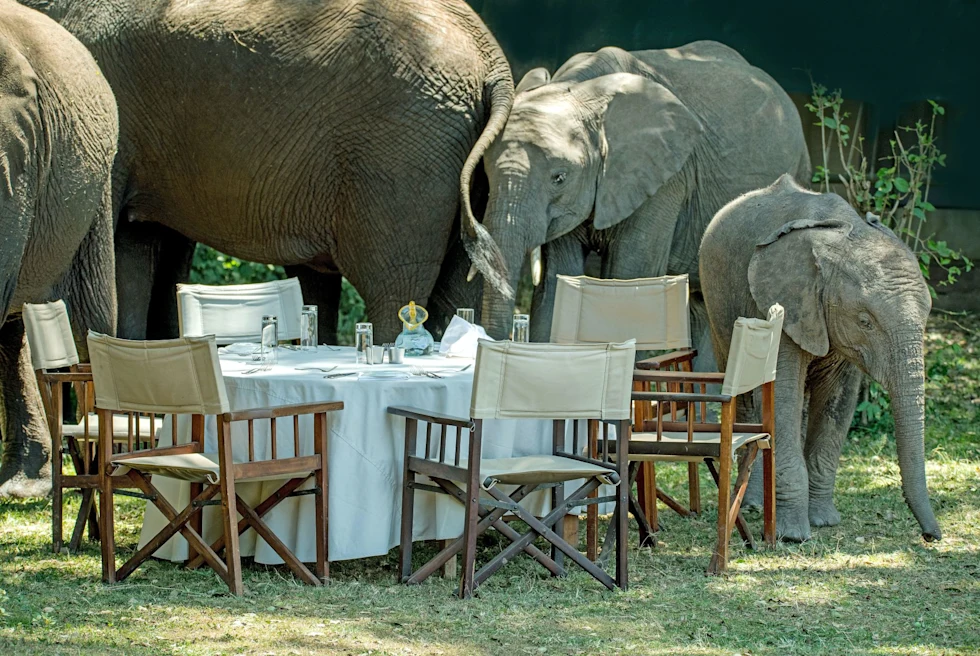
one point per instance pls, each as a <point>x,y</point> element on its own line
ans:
<point>315,369</point>
<point>256,370</point>
<point>419,371</point>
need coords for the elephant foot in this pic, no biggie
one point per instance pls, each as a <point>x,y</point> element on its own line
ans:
<point>19,486</point>
<point>823,513</point>
<point>792,524</point>
<point>752,502</point>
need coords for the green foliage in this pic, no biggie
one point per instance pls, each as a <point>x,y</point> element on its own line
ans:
<point>213,268</point>
<point>898,189</point>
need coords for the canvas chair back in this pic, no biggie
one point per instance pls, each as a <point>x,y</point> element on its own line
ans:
<point>175,376</point>
<point>49,335</point>
<point>753,352</point>
<point>653,311</point>
<point>233,313</point>
<point>552,381</point>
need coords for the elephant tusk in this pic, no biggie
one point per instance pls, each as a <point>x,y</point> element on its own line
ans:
<point>536,266</point>
<point>472,273</point>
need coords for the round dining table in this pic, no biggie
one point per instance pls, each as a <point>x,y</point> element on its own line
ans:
<point>366,449</point>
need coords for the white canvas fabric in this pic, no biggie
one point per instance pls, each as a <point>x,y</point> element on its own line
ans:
<point>180,376</point>
<point>653,311</point>
<point>233,313</point>
<point>537,469</point>
<point>192,467</point>
<point>49,335</point>
<point>738,440</point>
<point>552,381</point>
<point>753,352</point>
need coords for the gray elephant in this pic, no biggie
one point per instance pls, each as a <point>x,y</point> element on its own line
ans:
<point>327,135</point>
<point>629,155</point>
<point>58,134</point>
<point>855,301</point>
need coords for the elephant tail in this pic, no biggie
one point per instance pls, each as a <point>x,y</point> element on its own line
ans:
<point>482,250</point>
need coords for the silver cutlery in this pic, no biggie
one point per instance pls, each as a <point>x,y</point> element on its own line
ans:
<point>349,373</point>
<point>256,370</point>
<point>322,369</point>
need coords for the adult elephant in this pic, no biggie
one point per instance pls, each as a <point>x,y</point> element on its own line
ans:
<point>328,135</point>
<point>855,302</point>
<point>629,155</point>
<point>58,132</point>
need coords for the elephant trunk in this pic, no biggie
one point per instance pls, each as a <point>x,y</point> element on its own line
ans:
<point>480,247</point>
<point>906,387</point>
<point>498,308</point>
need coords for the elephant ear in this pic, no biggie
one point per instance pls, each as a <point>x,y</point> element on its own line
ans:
<point>647,134</point>
<point>534,78</point>
<point>790,267</point>
<point>18,117</point>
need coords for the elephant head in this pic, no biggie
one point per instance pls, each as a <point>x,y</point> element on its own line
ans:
<point>851,286</point>
<point>592,149</point>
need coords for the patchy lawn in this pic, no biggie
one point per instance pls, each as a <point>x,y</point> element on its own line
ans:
<point>868,586</point>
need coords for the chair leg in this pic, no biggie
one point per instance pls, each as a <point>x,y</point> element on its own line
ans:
<point>558,499</point>
<point>408,503</point>
<point>719,561</point>
<point>57,495</point>
<point>322,507</point>
<point>466,584</point>
<point>196,522</point>
<point>694,488</point>
<point>86,515</point>
<point>623,491</point>
<point>229,509</point>
<point>769,496</point>
<point>106,530</point>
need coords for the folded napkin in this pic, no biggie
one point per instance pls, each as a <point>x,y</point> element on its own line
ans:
<point>240,348</point>
<point>460,339</point>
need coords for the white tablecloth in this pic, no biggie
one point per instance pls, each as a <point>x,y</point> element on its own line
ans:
<point>366,448</point>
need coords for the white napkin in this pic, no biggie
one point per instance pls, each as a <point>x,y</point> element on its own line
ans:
<point>240,348</point>
<point>460,339</point>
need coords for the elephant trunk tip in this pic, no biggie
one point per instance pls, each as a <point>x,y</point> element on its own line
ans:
<point>487,258</point>
<point>932,535</point>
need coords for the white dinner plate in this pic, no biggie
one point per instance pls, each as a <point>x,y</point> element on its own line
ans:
<point>385,375</point>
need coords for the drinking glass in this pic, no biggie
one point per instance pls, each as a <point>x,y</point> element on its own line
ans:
<point>308,328</point>
<point>522,328</point>
<point>466,314</point>
<point>363,340</point>
<point>269,344</point>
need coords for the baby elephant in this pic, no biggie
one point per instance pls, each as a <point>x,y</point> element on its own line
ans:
<point>855,301</point>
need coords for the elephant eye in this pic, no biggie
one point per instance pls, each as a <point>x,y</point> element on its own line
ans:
<point>865,321</point>
<point>558,178</point>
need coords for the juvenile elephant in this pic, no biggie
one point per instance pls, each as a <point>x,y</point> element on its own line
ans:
<point>58,133</point>
<point>855,302</point>
<point>328,135</point>
<point>627,154</point>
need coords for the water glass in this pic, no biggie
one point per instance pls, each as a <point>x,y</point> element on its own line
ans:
<point>466,314</point>
<point>363,340</point>
<point>522,328</point>
<point>308,328</point>
<point>269,343</point>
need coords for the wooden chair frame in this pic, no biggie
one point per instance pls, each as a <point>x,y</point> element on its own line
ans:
<point>483,514</point>
<point>188,521</point>
<point>82,452</point>
<point>720,452</point>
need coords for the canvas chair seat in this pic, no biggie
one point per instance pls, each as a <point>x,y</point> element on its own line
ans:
<point>191,467</point>
<point>120,428</point>
<point>524,470</point>
<point>679,437</point>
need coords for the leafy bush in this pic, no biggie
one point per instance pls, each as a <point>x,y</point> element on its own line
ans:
<point>211,267</point>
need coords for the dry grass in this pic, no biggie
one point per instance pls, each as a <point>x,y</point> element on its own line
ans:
<point>868,586</point>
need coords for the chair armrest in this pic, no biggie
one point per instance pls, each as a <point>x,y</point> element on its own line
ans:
<point>83,367</point>
<point>430,417</point>
<point>664,397</point>
<point>283,411</point>
<point>667,359</point>
<point>67,377</point>
<point>679,376</point>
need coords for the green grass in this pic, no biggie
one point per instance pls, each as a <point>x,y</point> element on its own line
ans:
<point>868,586</point>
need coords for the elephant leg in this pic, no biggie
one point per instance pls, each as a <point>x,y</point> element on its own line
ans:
<point>25,466</point>
<point>322,290</point>
<point>452,291</point>
<point>174,255</point>
<point>150,261</point>
<point>701,337</point>
<point>89,286</point>
<point>833,385</point>
<point>564,256</point>
<point>792,488</point>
